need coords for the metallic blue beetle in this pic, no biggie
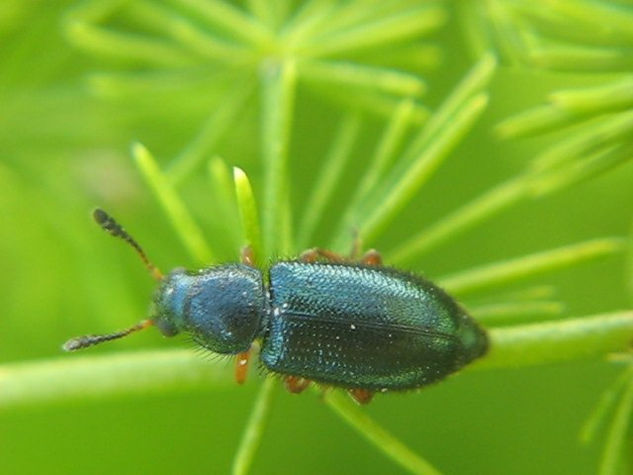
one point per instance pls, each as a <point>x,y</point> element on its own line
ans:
<point>359,326</point>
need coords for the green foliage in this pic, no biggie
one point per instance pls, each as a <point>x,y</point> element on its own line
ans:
<point>317,107</point>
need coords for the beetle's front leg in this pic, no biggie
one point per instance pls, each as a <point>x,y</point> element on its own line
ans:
<point>247,256</point>
<point>241,366</point>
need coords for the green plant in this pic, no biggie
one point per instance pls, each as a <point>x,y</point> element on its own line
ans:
<point>366,62</point>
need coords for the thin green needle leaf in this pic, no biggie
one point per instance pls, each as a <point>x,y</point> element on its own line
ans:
<point>354,75</point>
<point>373,102</point>
<point>420,171</point>
<point>535,121</point>
<point>130,85</point>
<point>581,169</point>
<point>208,45</point>
<point>384,155</point>
<point>329,177</point>
<point>589,137</point>
<point>391,29</point>
<point>509,32</point>
<point>574,19</point>
<point>576,58</point>
<point>212,131</point>
<point>183,223</point>
<point>94,12</point>
<point>127,47</point>
<point>604,98</point>
<point>503,272</point>
<point>224,205</point>
<point>278,82</point>
<point>264,11</point>
<point>248,212</point>
<point>233,20</point>
<point>614,445</point>
<point>600,412</point>
<point>254,430</point>
<point>343,16</point>
<point>272,13</point>
<point>561,340</point>
<point>96,377</point>
<point>515,312</point>
<point>591,13</point>
<point>414,56</point>
<point>476,34</point>
<point>474,82</point>
<point>312,15</point>
<point>521,295</point>
<point>222,180</point>
<point>378,436</point>
<point>475,212</point>
<point>167,22</point>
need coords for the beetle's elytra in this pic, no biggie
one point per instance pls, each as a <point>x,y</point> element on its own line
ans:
<point>359,326</point>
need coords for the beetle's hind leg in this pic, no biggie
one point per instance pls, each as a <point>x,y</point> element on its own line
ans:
<point>296,384</point>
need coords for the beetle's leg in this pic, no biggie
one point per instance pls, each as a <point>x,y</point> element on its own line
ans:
<point>311,255</point>
<point>247,256</point>
<point>361,396</point>
<point>372,258</point>
<point>296,384</point>
<point>241,366</point>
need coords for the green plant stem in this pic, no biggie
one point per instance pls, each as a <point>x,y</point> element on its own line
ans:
<point>383,440</point>
<point>561,340</point>
<point>254,429</point>
<point>73,377</point>
<point>513,312</point>
<point>278,83</point>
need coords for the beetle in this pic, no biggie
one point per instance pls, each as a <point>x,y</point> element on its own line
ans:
<point>356,325</point>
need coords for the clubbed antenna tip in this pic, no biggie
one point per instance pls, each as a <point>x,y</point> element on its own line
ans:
<point>109,224</point>
<point>90,340</point>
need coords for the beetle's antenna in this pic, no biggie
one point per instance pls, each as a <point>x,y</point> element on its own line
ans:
<point>89,340</point>
<point>109,224</point>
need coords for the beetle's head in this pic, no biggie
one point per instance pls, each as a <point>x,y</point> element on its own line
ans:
<point>221,307</point>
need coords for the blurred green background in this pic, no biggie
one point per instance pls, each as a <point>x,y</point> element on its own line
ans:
<point>64,146</point>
